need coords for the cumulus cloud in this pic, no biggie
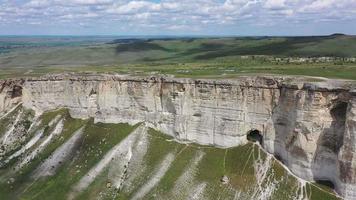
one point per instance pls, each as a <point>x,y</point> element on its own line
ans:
<point>43,3</point>
<point>86,2</point>
<point>275,4</point>
<point>175,14</point>
<point>320,6</point>
<point>134,7</point>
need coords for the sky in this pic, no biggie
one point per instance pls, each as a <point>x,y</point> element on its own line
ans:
<point>177,17</point>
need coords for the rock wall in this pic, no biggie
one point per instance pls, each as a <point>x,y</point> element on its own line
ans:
<point>311,127</point>
<point>207,112</point>
<point>10,94</point>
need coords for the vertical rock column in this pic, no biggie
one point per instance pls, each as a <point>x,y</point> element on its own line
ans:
<point>346,185</point>
<point>10,94</point>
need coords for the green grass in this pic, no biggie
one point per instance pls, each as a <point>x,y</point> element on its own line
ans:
<point>235,163</point>
<point>89,153</point>
<point>7,121</point>
<point>190,57</point>
<point>178,167</point>
<point>22,128</point>
<point>317,193</point>
<point>22,178</point>
<point>204,70</point>
<point>156,152</point>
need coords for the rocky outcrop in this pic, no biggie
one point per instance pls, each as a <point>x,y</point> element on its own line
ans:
<point>10,93</point>
<point>310,126</point>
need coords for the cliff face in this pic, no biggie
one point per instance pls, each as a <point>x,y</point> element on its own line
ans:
<point>10,93</point>
<point>311,127</point>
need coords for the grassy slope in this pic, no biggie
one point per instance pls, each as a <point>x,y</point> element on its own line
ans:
<point>22,126</point>
<point>236,163</point>
<point>216,57</point>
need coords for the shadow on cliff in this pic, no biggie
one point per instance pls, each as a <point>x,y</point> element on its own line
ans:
<point>284,120</point>
<point>328,146</point>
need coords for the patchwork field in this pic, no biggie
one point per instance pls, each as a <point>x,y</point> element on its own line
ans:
<point>54,156</point>
<point>327,56</point>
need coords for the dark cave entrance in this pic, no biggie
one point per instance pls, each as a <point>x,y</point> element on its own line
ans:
<point>255,136</point>
<point>326,183</point>
<point>338,112</point>
<point>334,139</point>
<point>16,91</point>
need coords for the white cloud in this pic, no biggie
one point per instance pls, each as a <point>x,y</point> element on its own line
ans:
<point>177,14</point>
<point>324,6</point>
<point>85,2</point>
<point>133,7</point>
<point>275,4</point>
<point>319,5</point>
<point>37,4</point>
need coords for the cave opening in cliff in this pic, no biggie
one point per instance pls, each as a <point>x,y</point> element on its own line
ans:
<point>255,136</point>
<point>326,183</point>
<point>16,92</point>
<point>334,139</point>
<point>338,112</point>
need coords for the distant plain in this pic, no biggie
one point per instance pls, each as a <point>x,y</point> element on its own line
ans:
<point>216,57</point>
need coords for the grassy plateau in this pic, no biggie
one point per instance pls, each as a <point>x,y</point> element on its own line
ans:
<point>326,56</point>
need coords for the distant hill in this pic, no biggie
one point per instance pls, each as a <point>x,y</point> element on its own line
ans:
<point>336,45</point>
<point>185,56</point>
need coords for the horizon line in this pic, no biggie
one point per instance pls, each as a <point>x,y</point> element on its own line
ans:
<point>163,35</point>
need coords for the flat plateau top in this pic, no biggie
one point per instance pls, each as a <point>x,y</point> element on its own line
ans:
<point>264,81</point>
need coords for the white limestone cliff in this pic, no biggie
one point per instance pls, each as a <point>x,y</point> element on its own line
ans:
<point>10,94</point>
<point>310,126</point>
